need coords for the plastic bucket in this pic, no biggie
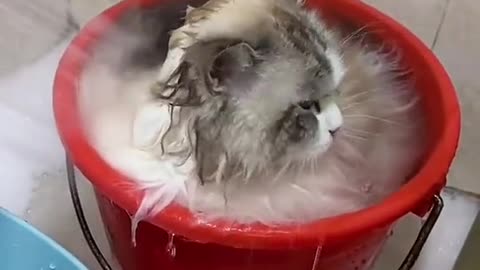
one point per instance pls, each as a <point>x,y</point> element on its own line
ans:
<point>176,239</point>
<point>24,247</point>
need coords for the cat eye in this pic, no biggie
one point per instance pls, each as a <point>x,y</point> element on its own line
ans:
<point>310,105</point>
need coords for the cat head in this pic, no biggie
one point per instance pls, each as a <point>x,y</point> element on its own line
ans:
<point>263,105</point>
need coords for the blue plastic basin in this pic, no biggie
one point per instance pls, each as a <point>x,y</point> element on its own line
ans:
<point>22,247</point>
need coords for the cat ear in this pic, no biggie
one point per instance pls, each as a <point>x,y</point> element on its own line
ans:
<point>217,64</point>
<point>231,62</point>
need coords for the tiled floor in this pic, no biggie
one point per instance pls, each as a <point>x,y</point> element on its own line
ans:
<point>25,22</point>
<point>457,47</point>
<point>449,26</point>
<point>422,17</point>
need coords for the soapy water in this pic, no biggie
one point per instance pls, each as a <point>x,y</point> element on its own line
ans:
<point>51,266</point>
<point>29,143</point>
<point>32,155</point>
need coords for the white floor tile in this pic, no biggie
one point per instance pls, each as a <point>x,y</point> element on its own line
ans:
<point>458,48</point>
<point>445,242</point>
<point>29,143</point>
<point>29,29</point>
<point>422,17</point>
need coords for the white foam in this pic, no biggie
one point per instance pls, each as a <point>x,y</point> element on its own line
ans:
<point>29,144</point>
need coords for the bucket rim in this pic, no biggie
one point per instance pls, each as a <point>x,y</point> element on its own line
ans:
<point>428,181</point>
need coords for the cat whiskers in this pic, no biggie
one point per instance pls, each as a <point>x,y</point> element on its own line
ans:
<point>358,96</point>
<point>352,105</point>
<point>371,117</point>
<point>280,172</point>
<point>360,131</point>
<point>360,31</point>
<point>355,100</point>
<point>357,134</point>
<point>408,105</point>
<point>353,136</point>
<point>347,151</point>
<point>301,189</point>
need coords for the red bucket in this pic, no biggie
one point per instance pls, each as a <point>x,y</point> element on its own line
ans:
<point>176,239</point>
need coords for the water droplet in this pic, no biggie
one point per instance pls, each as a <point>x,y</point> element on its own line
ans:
<point>367,188</point>
<point>316,260</point>
<point>171,249</point>
<point>52,266</point>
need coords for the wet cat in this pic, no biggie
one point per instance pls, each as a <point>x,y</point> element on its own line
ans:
<point>286,120</point>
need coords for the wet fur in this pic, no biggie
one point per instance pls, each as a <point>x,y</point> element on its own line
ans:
<point>256,94</point>
<point>378,143</point>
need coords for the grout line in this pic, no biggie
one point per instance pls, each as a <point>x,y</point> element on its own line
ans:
<point>440,25</point>
<point>71,19</point>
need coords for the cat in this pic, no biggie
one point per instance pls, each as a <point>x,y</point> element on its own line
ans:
<point>294,123</point>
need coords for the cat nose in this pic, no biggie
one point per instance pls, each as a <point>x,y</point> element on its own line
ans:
<point>333,132</point>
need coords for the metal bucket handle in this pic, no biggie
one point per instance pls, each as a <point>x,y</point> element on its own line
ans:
<point>423,235</point>
<point>407,263</point>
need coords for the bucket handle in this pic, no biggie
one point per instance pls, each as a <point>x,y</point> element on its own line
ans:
<point>77,205</point>
<point>407,263</point>
<point>423,235</point>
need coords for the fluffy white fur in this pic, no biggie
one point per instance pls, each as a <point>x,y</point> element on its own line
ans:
<point>226,19</point>
<point>369,158</point>
<point>348,177</point>
<point>110,105</point>
<point>338,188</point>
